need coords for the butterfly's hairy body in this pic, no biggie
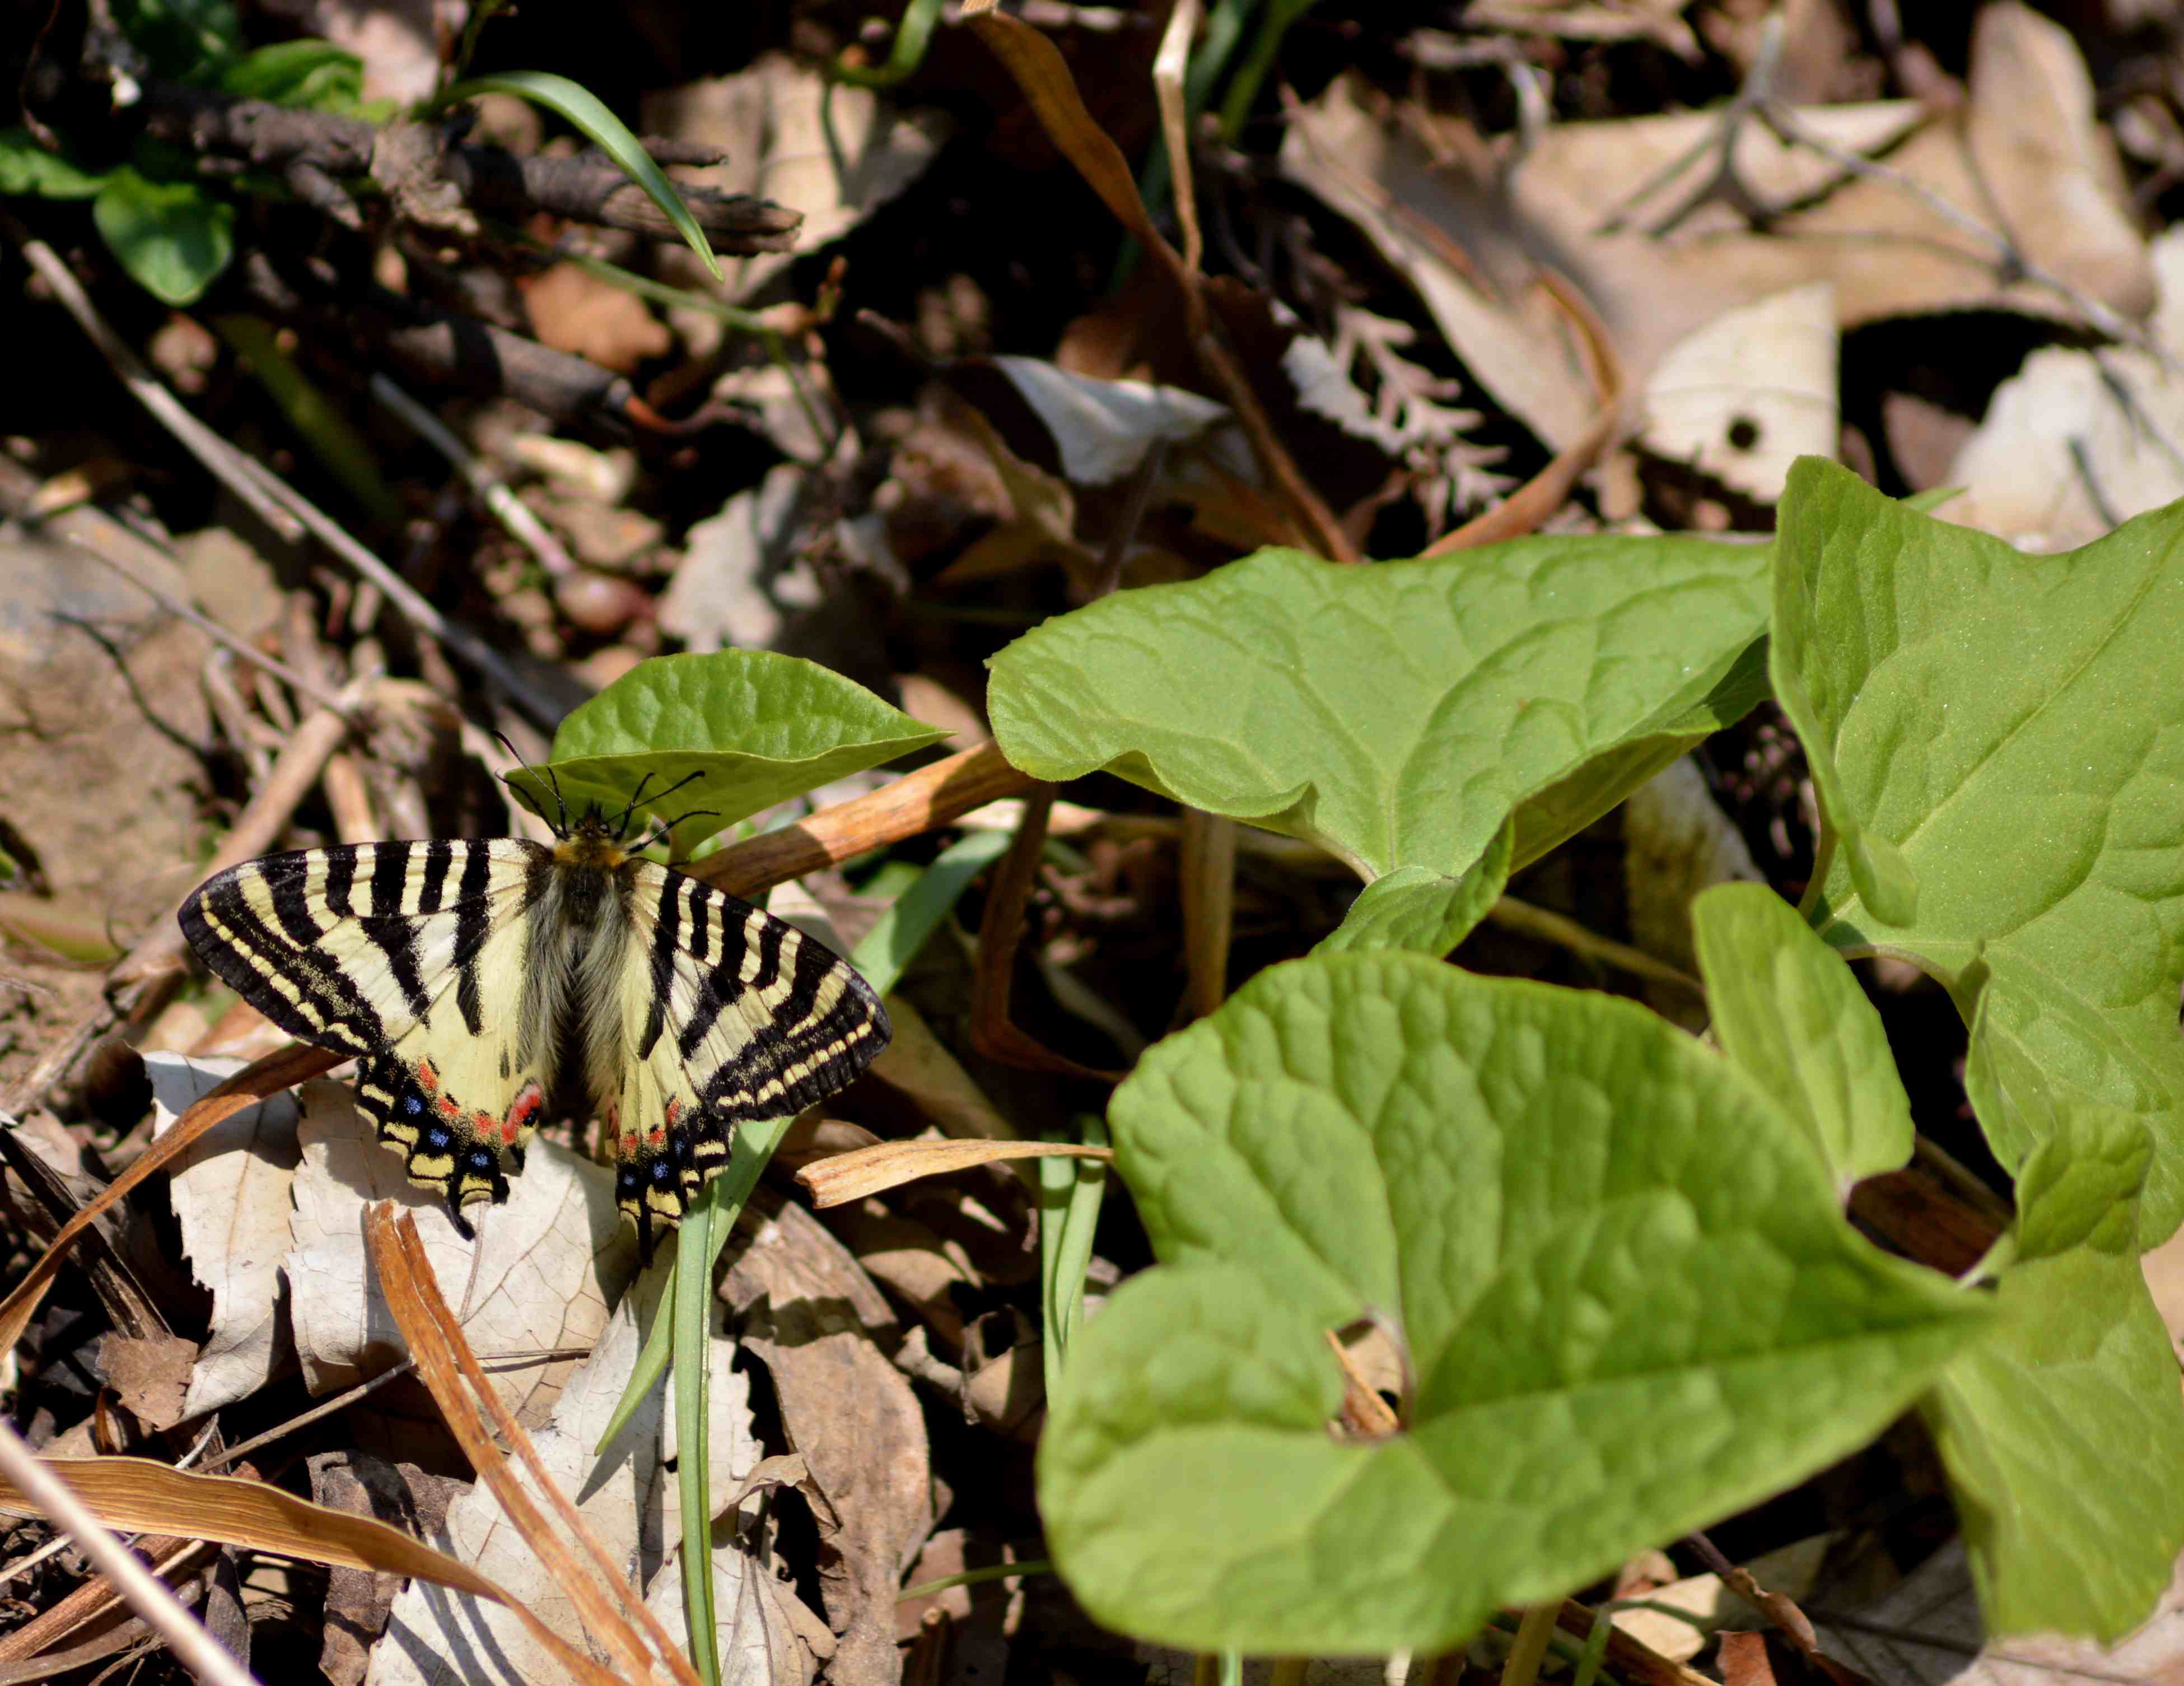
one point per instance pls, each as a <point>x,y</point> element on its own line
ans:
<point>580,918</point>
<point>475,982</point>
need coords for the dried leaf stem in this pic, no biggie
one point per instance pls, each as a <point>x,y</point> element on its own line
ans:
<point>149,1597</point>
<point>907,806</point>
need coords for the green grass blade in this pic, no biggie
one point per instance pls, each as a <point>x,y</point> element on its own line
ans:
<point>754,1146</point>
<point>694,1251</point>
<point>605,130</point>
<point>893,941</point>
<point>1069,1193</point>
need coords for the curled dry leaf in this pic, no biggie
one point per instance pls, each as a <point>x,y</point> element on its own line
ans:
<point>548,1262</point>
<point>1937,1601</point>
<point>868,1170</point>
<point>2077,441</point>
<point>357,1600</point>
<point>1092,432</point>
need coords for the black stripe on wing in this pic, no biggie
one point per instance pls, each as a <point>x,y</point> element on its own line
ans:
<point>280,967</point>
<point>262,927</point>
<point>767,979</point>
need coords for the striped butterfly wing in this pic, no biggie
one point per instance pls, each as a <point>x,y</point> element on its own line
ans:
<point>410,957</point>
<point>728,1016</point>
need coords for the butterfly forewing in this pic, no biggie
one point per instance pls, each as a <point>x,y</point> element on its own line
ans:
<point>413,956</point>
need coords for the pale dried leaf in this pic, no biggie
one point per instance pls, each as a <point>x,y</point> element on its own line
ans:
<point>549,1261</point>
<point>1746,395</point>
<point>1677,842</point>
<point>229,1191</point>
<point>1709,1606</point>
<point>2038,167</point>
<point>1102,429</point>
<point>1935,1603</point>
<point>2075,443</point>
<point>740,578</point>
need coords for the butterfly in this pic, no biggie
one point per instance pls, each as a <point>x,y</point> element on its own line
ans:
<point>478,981</point>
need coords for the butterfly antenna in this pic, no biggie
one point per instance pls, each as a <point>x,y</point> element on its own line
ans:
<point>667,830</point>
<point>546,772</point>
<point>560,802</point>
<point>622,825</point>
<point>656,800</point>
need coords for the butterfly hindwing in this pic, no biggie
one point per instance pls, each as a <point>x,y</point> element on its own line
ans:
<point>411,956</point>
<point>728,1016</point>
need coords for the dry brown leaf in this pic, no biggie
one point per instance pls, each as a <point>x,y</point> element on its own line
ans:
<point>629,1499</point>
<point>738,581</point>
<point>573,311</point>
<point>565,1555</point>
<point>149,1375</point>
<point>1744,1659</point>
<point>357,1600</point>
<point>1578,20</point>
<point>867,1171</point>
<point>262,1078</point>
<point>808,1312</point>
<point>912,1263</point>
<point>1709,1606</point>
<point>1937,1604</point>
<point>135,1495</point>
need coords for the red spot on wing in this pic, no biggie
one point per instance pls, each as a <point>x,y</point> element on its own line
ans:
<point>523,1110</point>
<point>674,1109</point>
<point>428,1079</point>
<point>657,1136</point>
<point>629,1144</point>
<point>449,1106</point>
<point>485,1123</point>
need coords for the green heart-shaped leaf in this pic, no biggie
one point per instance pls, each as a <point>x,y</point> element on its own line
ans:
<point>2061,1425</point>
<point>2006,731</point>
<point>754,727</point>
<point>1426,912</point>
<point>172,236</point>
<point>1578,1224</point>
<point>1394,714</point>
<point>1788,1011</point>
